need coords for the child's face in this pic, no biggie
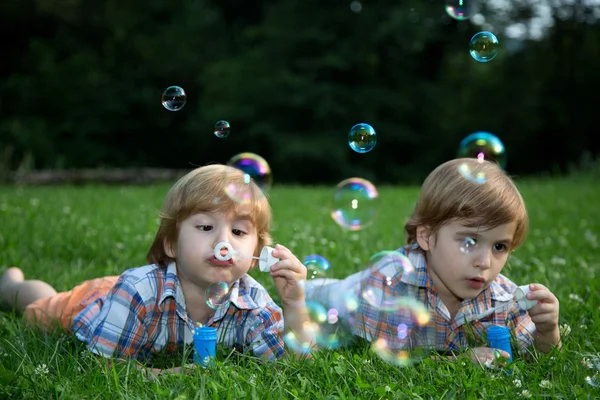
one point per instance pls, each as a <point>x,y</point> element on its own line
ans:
<point>458,274</point>
<point>194,250</point>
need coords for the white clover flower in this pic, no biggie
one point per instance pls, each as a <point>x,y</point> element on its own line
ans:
<point>575,297</point>
<point>41,369</point>
<point>587,363</point>
<point>526,394</point>
<point>387,388</point>
<point>517,383</point>
<point>558,261</point>
<point>545,384</point>
<point>564,330</point>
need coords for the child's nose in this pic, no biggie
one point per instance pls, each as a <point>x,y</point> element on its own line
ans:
<point>483,259</point>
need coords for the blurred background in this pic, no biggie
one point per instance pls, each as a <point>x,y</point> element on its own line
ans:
<point>81,84</point>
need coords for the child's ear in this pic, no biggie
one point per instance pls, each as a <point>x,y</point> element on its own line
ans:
<point>423,237</point>
<point>168,247</point>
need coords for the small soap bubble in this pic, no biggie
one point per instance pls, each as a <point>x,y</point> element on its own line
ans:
<point>388,268</point>
<point>484,46</point>
<point>216,294</point>
<point>362,138</point>
<point>222,129</point>
<point>355,204</point>
<point>316,266</point>
<point>467,245</point>
<point>483,146</point>
<point>174,98</point>
<point>356,6</point>
<point>255,167</point>
<point>460,9</point>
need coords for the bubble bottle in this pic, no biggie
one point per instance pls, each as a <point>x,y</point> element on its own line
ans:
<point>205,344</point>
<point>499,338</point>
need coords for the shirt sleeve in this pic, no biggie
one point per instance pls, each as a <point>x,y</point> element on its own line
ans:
<point>264,336</point>
<point>113,327</point>
<point>522,327</point>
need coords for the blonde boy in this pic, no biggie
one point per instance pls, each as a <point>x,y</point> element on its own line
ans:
<point>156,307</point>
<point>468,218</point>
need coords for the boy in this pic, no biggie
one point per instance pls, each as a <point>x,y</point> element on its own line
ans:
<point>459,237</point>
<point>156,307</point>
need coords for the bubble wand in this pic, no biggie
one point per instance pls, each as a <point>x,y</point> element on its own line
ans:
<point>519,297</point>
<point>265,261</point>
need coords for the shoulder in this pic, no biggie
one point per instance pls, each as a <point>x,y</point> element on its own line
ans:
<point>147,280</point>
<point>406,265</point>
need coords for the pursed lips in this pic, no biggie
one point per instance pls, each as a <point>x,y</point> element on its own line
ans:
<point>218,263</point>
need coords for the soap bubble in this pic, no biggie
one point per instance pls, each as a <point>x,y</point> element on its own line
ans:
<point>388,268</point>
<point>222,129</point>
<point>483,146</point>
<point>255,167</point>
<point>216,294</point>
<point>356,6</point>
<point>316,266</point>
<point>316,269</point>
<point>483,46</point>
<point>323,330</point>
<point>460,9</point>
<point>405,341</point>
<point>362,138</point>
<point>467,245</point>
<point>174,98</point>
<point>355,203</point>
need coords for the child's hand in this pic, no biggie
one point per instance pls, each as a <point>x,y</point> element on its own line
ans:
<point>489,357</point>
<point>289,275</point>
<point>545,316</point>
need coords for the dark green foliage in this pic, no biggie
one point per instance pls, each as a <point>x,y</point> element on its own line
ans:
<point>81,81</point>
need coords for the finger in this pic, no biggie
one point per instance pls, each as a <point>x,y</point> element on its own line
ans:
<point>543,308</point>
<point>537,286</point>
<point>291,265</point>
<point>281,250</point>
<point>289,275</point>
<point>545,318</point>
<point>542,295</point>
<point>501,353</point>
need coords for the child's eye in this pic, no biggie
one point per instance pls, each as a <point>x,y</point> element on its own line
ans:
<point>204,228</point>
<point>500,247</point>
<point>238,232</point>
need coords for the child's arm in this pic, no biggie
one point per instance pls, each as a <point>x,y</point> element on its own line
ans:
<point>545,317</point>
<point>289,275</point>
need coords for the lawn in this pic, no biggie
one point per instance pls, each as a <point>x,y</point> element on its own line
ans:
<point>67,234</point>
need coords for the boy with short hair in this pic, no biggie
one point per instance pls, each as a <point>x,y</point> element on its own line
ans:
<point>156,307</point>
<point>459,237</point>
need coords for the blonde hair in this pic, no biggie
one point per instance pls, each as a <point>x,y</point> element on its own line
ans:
<point>478,193</point>
<point>209,189</point>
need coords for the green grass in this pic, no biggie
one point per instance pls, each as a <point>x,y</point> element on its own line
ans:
<point>67,234</point>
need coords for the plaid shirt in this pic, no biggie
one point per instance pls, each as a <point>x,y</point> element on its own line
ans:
<point>387,281</point>
<point>145,312</point>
